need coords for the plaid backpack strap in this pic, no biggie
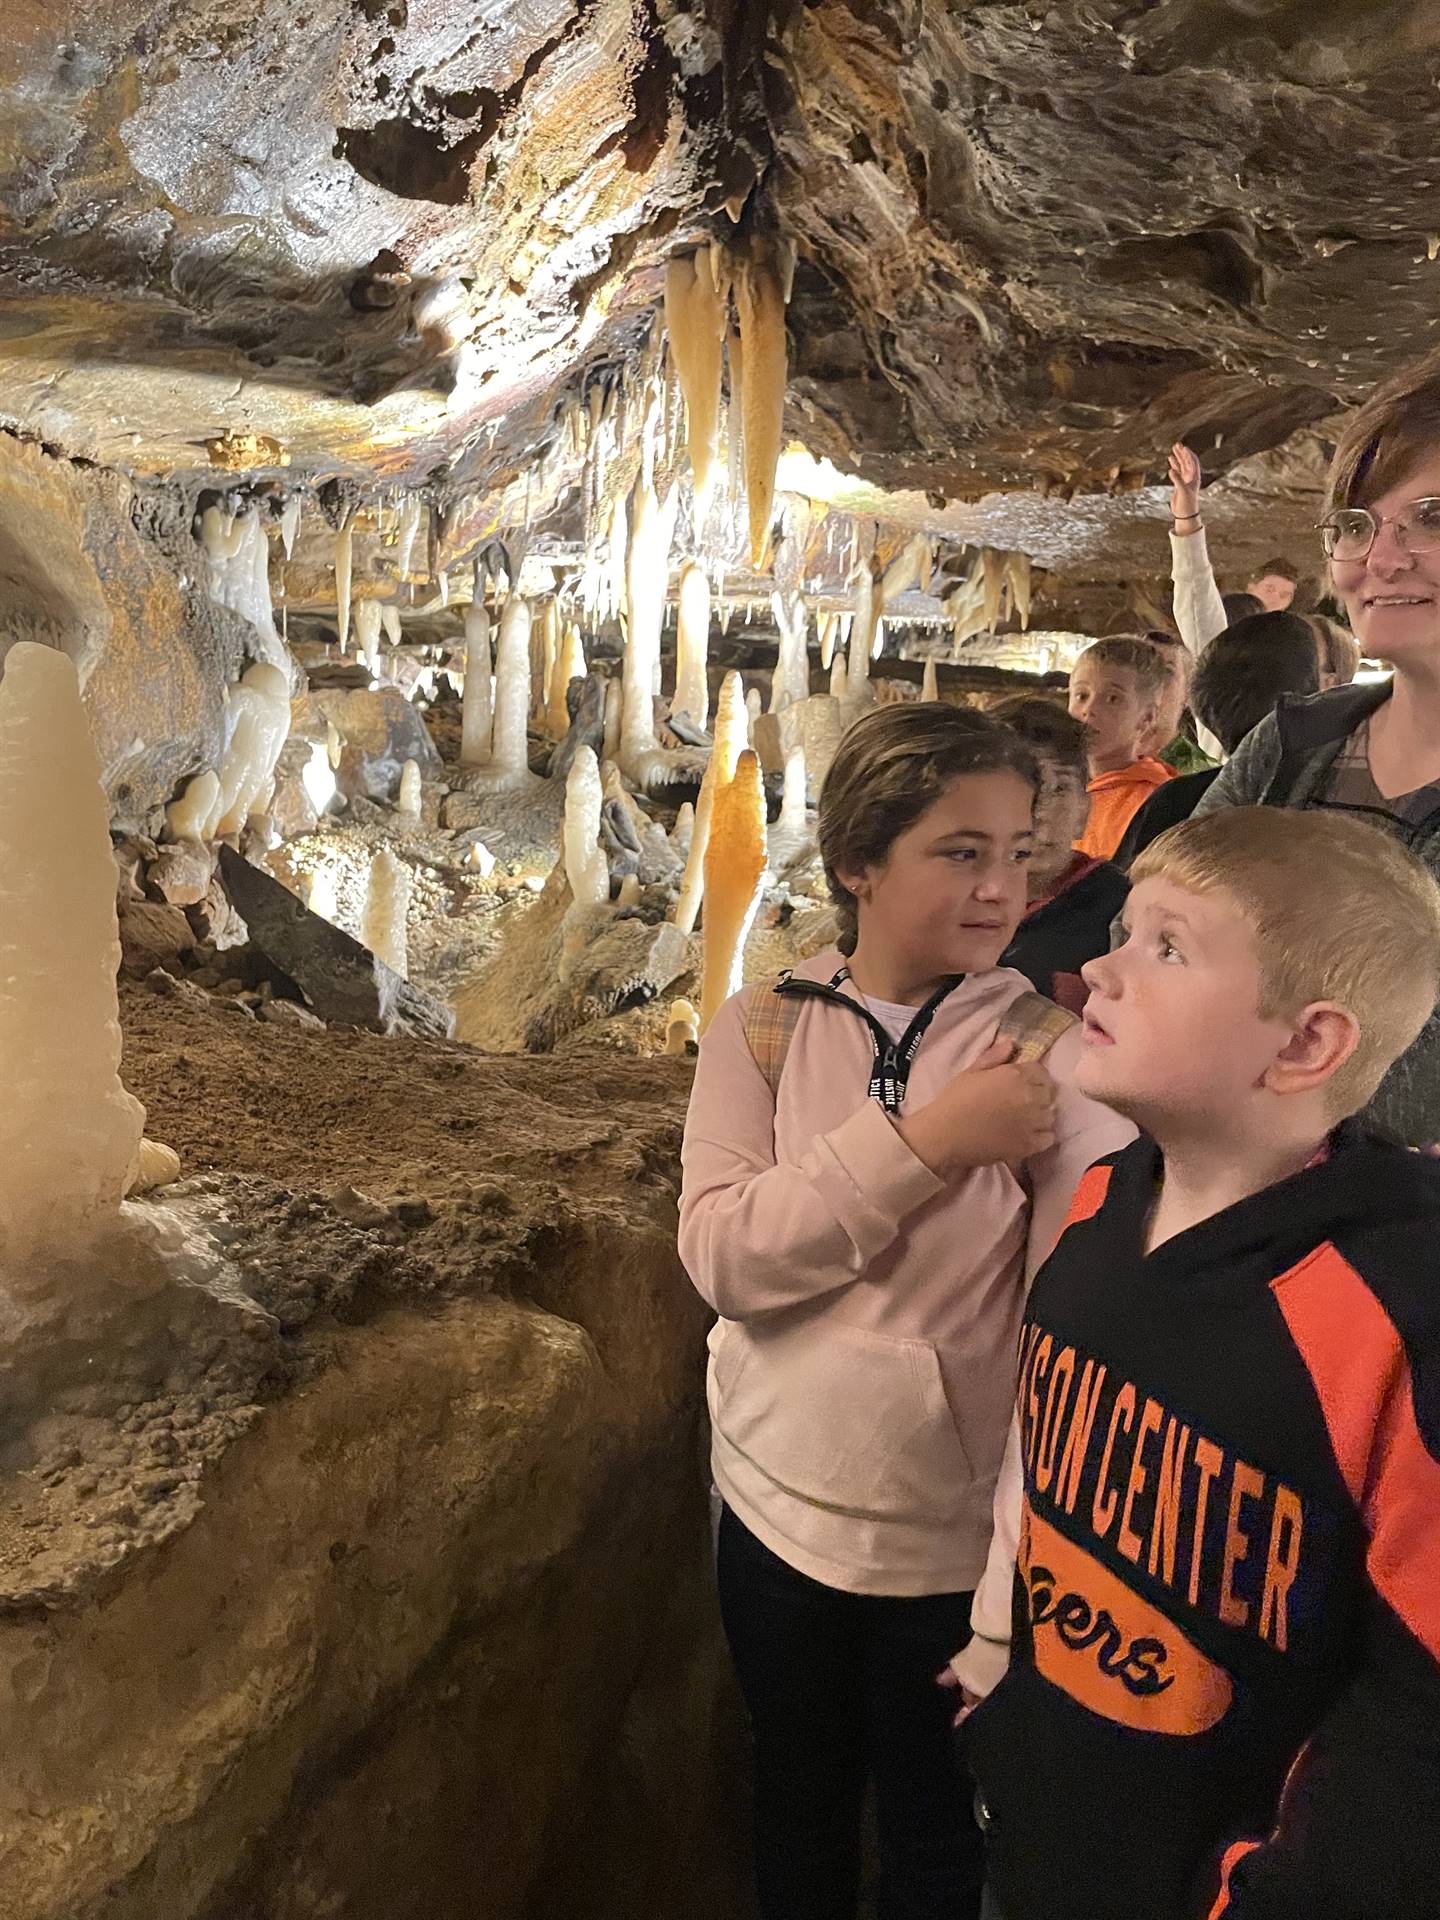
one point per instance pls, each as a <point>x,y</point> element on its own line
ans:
<point>770,1018</point>
<point>1034,1024</point>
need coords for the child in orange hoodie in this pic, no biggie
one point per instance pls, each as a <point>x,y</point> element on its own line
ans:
<point>1115,688</point>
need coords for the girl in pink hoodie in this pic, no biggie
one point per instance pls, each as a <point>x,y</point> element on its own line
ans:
<point>865,1233</point>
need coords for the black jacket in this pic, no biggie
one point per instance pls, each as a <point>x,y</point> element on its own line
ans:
<point>1165,808</point>
<point>1055,940</point>
<point>1224,1698</point>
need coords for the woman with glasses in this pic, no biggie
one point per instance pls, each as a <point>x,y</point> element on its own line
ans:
<point>1374,749</point>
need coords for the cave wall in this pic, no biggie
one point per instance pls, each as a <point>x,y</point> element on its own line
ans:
<point>441,1639</point>
<point>108,573</point>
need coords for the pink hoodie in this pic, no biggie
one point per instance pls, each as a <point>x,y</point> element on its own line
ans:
<point>862,1371</point>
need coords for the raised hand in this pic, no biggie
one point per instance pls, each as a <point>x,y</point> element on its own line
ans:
<point>1185,482</point>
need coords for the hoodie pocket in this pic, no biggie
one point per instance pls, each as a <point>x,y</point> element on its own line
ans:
<point>843,1419</point>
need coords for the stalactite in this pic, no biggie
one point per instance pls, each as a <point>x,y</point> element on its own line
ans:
<point>407,529</point>
<point>862,635</point>
<point>829,626</point>
<point>69,1132</point>
<point>692,646</point>
<point>475,710</point>
<point>387,906</point>
<point>1017,569</point>
<point>344,553</point>
<point>760,303</point>
<point>239,557</point>
<point>994,573</point>
<point>290,525</point>
<point>734,877</point>
<point>695,317</point>
<point>390,621</point>
<point>731,734</point>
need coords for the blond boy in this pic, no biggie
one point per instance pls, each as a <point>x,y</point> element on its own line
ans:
<point>1117,688</point>
<point>1224,1696</point>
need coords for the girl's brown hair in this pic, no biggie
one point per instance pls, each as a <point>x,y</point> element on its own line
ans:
<point>1396,427</point>
<point>890,768</point>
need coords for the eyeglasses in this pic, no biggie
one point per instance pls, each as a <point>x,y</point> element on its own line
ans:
<point>1350,532</point>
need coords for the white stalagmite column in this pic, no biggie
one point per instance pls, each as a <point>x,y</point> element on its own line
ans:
<point>731,735</point>
<point>754,706</point>
<point>614,707</point>
<point>930,685</point>
<point>508,768</point>
<point>259,727</point>
<point>69,1132</point>
<point>475,710</point>
<point>367,634</point>
<point>586,867</point>
<point>792,794</point>
<point>862,635</point>
<point>837,677</point>
<point>569,665</point>
<point>682,1030</point>
<point>692,646</point>
<point>734,879</point>
<point>647,576</point>
<point>410,793</point>
<point>387,903</point>
<point>791,680</point>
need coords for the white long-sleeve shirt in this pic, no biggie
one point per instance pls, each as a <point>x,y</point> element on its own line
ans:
<point>1199,610</point>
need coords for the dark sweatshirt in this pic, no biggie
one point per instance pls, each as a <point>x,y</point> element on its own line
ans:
<point>1068,927</point>
<point>1224,1697</point>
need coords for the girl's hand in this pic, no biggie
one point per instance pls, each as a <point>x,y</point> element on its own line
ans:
<point>993,1112</point>
<point>965,1701</point>
<point>1185,479</point>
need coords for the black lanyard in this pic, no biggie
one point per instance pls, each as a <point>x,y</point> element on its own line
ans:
<point>890,1075</point>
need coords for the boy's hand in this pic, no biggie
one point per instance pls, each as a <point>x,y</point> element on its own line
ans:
<point>994,1112</point>
<point>1185,480</point>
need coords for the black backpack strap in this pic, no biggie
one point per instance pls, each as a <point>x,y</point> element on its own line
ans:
<point>1308,723</point>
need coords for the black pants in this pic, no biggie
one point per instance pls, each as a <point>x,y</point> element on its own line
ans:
<point>841,1690</point>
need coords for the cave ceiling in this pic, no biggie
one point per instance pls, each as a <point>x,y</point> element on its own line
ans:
<point>378,242</point>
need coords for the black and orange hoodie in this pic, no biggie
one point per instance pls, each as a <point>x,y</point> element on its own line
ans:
<point>1223,1701</point>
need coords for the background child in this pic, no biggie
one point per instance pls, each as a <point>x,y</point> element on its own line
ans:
<point>862,1236</point>
<point>1225,1694</point>
<point>1071,899</point>
<point>1115,690</point>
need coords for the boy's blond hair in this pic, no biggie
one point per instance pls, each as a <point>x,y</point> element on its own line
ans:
<point>1132,653</point>
<point>1340,911</point>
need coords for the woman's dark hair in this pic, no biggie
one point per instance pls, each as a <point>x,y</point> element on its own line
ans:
<point>889,769</point>
<point>1245,670</point>
<point>1398,426</point>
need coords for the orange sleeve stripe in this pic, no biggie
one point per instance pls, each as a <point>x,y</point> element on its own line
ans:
<point>1357,1361</point>
<point>1232,1858</point>
<point>1089,1196</point>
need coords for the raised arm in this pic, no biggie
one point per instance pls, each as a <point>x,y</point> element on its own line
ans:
<point>1199,610</point>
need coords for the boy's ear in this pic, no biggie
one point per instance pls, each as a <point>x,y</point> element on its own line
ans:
<point>1324,1037</point>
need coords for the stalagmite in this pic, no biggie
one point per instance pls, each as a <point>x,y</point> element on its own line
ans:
<point>862,635</point>
<point>837,677</point>
<point>829,626</point>
<point>760,303</point>
<point>344,555</point>
<point>324,895</point>
<point>387,903</point>
<point>475,712</point>
<point>754,706</point>
<point>682,1031</point>
<point>367,634</point>
<point>390,621</point>
<point>569,665</point>
<point>190,815</point>
<point>629,894</point>
<point>585,865</point>
<point>692,646</point>
<point>156,1165</point>
<point>409,796</point>
<point>614,708</point>
<point>317,777</point>
<point>731,734</point>
<point>508,767</point>
<point>683,830</point>
<point>545,657</point>
<point>791,679</point>
<point>69,1132</point>
<point>734,878</point>
<point>930,684</point>
<point>792,795</point>
<point>259,721</point>
<point>646,578</point>
<point>695,320</point>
